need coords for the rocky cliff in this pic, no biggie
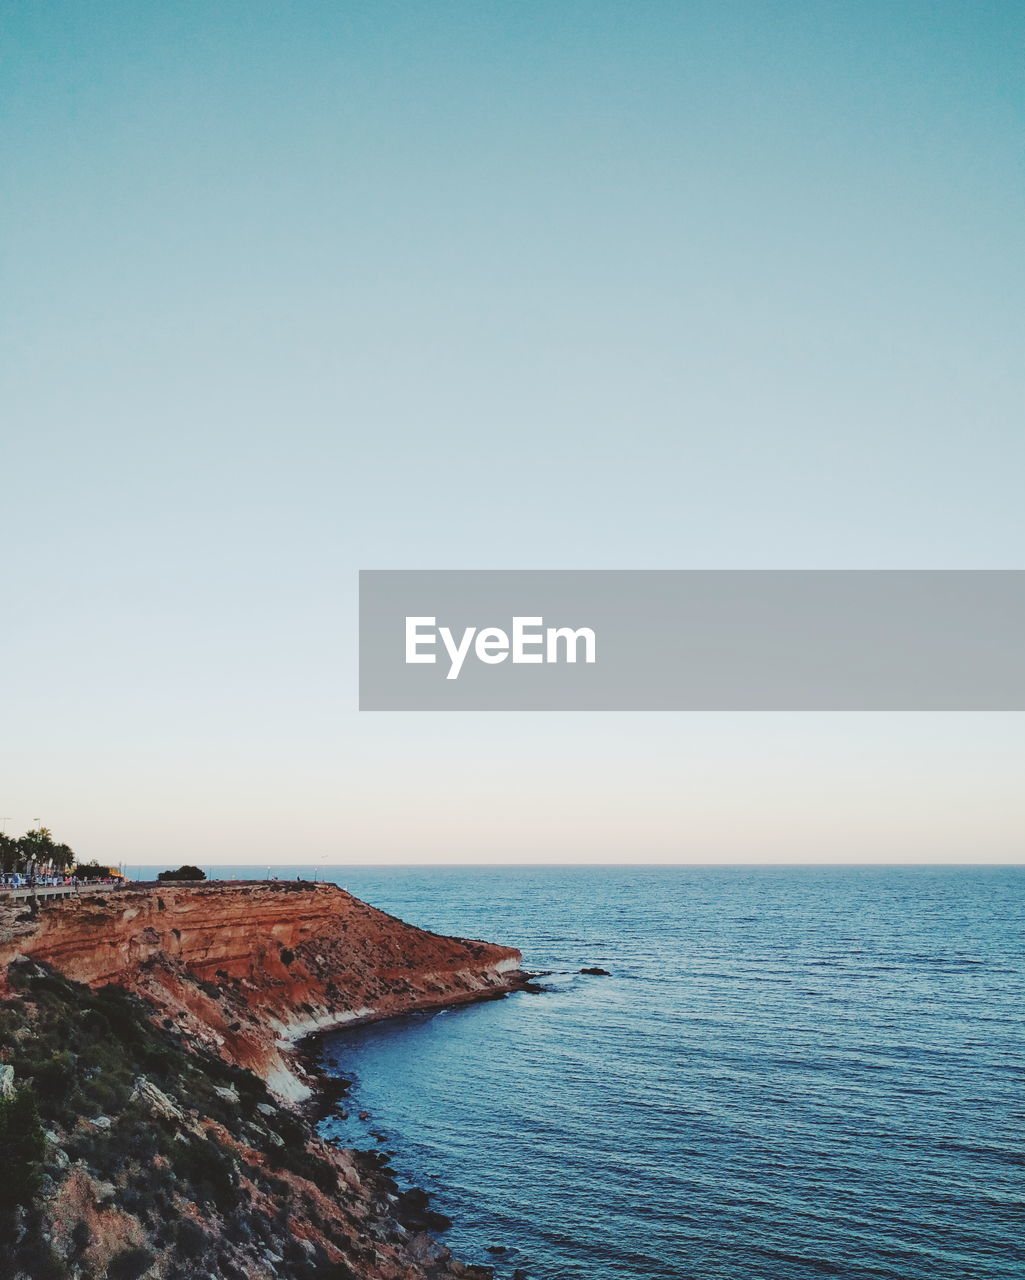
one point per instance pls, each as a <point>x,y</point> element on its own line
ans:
<point>147,1121</point>
<point>249,968</point>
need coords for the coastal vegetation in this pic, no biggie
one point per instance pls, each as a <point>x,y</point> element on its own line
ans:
<point>100,1097</point>
<point>38,856</point>
<point>21,1149</point>
<point>35,851</point>
<point>185,872</point>
<point>154,1122</point>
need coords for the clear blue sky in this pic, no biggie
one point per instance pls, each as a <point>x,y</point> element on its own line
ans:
<point>290,290</point>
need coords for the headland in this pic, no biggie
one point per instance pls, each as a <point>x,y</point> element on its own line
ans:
<point>154,1030</point>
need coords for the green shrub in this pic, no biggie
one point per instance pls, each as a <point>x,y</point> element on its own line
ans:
<point>81,1238</point>
<point>90,870</point>
<point>190,1238</point>
<point>208,1174</point>
<point>55,1077</point>
<point>36,1258</point>
<point>130,1264</point>
<point>22,1147</point>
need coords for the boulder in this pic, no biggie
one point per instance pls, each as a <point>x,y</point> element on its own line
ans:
<point>104,1194</point>
<point>158,1103</point>
<point>413,1211</point>
<point>56,1157</point>
<point>423,1249</point>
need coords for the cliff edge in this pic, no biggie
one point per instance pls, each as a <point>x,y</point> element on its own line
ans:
<point>147,1072</point>
<point>249,968</point>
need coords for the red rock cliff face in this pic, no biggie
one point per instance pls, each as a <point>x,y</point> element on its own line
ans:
<point>250,968</point>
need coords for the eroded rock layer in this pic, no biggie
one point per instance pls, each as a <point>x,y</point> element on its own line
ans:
<point>153,1138</point>
<point>249,968</point>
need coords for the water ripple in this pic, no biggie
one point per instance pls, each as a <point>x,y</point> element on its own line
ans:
<point>790,1074</point>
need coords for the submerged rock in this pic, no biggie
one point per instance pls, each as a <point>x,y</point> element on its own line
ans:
<point>413,1211</point>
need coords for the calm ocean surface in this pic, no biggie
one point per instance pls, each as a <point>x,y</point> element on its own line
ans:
<point>791,1073</point>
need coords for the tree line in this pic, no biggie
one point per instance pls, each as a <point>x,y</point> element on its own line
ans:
<point>37,853</point>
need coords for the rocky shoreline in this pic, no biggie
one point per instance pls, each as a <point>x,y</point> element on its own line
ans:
<point>165,1039</point>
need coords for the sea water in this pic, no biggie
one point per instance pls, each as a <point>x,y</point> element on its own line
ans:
<point>789,1073</point>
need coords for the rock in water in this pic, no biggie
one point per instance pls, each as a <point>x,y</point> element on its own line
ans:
<point>412,1210</point>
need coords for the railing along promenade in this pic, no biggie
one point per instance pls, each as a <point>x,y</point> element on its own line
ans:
<point>10,893</point>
